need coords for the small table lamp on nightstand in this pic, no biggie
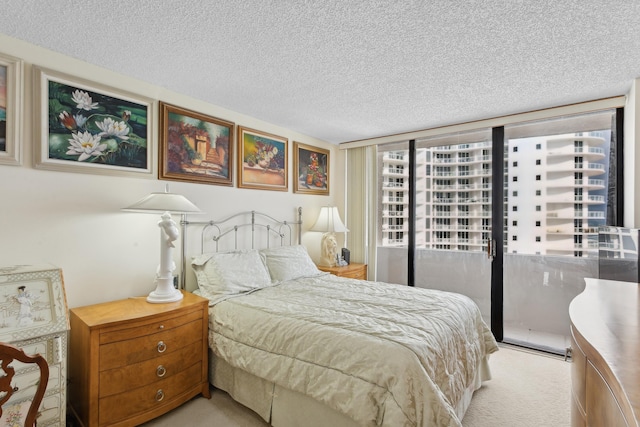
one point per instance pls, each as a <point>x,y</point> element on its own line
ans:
<point>165,203</point>
<point>329,223</point>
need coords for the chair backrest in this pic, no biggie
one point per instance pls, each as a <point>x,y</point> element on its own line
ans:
<point>9,353</point>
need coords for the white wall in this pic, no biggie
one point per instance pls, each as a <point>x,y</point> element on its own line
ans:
<point>74,221</point>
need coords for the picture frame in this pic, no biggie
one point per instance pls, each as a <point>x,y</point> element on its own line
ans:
<point>83,126</point>
<point>311,168</point>
<point>262,160</point>
<point>11,99</point>
<point>195,147</point>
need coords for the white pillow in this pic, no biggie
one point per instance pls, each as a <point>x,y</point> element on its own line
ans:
<point>220,275</point>
<point>289,262</point>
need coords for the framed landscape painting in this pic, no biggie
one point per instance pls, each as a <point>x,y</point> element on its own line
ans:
<point>87,127</point>
<point>262,160</point>
<point>311,166</point>
<point>195,147</point>
<point>11,87</point>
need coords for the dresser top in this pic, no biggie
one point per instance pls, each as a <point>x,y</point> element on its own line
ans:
<point>607,315</point>
<point>125,310</point>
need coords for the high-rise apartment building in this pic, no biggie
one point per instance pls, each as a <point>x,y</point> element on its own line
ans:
<point>394,197</point>
<point>554,196</point>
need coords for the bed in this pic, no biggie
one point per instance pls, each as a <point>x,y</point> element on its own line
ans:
<point>302,347</point>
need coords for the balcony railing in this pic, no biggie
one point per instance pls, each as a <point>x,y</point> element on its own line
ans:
<point>392,156</point>
<point>394,214</point>
<point>396,171</point>
<point>393,227</point>
<point>395,241</point>
<point>395,185</point>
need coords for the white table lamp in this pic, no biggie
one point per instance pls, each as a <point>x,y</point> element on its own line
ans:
<point>166,203</point>
<point>329,223</point>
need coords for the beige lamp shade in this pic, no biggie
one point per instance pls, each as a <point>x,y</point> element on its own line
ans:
<point>329,221</point>
<point>163,202</point>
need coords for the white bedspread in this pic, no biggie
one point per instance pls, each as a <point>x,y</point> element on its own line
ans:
<point>381,354</point>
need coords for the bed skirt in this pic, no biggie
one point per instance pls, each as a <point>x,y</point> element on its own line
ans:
<point>285,408</point>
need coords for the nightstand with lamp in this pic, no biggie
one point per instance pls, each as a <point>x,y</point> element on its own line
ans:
<point>160,340</point>
<point>329,223</point>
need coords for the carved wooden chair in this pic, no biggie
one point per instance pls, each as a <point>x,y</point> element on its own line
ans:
<point>9,353</point>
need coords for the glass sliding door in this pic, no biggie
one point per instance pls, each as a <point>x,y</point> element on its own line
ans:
<point>452,219</point>
<point>557,175</point>
<point>453,215</point>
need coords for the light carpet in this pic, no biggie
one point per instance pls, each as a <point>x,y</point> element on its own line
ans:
<point>528,389</point>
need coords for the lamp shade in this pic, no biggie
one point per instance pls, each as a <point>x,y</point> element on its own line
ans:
<point>163,202</point>
<point>329,221</point>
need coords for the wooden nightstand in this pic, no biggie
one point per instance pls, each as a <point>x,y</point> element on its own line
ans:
<point>131,360</point>
<point>353,270</point>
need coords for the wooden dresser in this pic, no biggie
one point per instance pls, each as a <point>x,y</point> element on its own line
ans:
<point>353,270</point>
<point>131,361</point>
<point>605,329</point>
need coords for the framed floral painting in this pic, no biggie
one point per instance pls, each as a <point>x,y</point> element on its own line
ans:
<point>262,160</point>
<point>195,147</point>
<point>311,165</point>
<point>11,87</point>
<point>88,127</point>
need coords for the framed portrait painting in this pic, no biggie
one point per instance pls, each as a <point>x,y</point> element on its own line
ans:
<point>87,127</point>
<point>262,160</point>
<point>195,147</point>
<point>11,91</point>
<point>311,166</point>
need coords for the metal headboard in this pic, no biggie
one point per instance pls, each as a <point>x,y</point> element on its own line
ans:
<point>215,231</point>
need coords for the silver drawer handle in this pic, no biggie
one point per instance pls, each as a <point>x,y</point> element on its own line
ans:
<point>159,395</point>
<point>162,347</point>
<point>161,371</point>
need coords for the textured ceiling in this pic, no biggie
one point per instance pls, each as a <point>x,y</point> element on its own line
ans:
<point>343,70</point>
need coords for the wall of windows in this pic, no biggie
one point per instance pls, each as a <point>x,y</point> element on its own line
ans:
<point>553,195</point>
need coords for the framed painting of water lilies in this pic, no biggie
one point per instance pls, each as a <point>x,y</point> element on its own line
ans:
<point>262,160</point>
<point>10,107</point>
<point>195,147</point>
<point>87,127</point>
<point>311,166</point>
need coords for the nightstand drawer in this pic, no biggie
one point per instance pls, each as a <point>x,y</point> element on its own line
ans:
<point>136,350</point>
<point>118,380</point>
<point>356,274</point>
<point>142,328</point>
<point>351,271</point>
<point>125,405</point>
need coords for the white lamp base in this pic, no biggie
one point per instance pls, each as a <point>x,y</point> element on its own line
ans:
<point>164,292</point>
